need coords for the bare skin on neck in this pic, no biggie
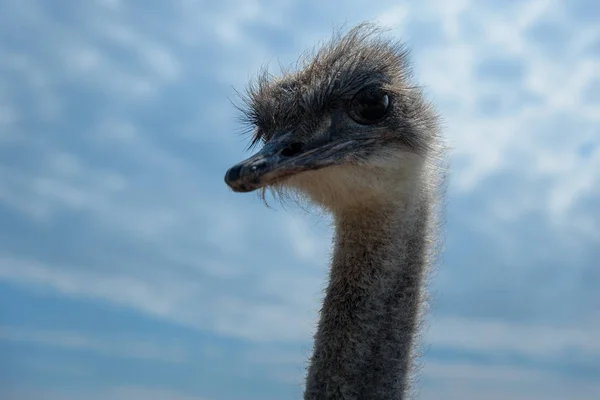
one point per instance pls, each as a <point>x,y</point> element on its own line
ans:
<point>350,133</point>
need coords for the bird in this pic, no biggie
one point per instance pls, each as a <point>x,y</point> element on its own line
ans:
<point>349,131</point>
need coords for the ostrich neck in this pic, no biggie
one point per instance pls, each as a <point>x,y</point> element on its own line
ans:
<point>370,315</point>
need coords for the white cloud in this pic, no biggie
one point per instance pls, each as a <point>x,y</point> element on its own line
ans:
<point>310,244</point>
<point>500,337</point>
<point>8,116</point>
<point>121,289</point>
<point>116,347</point>
<point>153,56</point>
<point>394,17</point>
<point>474,381</point>
<point>116,393</point>
<point>527,139</point>
<point>175,298</point>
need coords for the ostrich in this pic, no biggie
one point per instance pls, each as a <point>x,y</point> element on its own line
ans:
<point>350,133</point>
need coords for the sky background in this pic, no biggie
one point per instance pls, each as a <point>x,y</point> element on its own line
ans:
<point>129,271</point>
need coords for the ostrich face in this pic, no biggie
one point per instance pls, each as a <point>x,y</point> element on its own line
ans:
<point>347,127</point>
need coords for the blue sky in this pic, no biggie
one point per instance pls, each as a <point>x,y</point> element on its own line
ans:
<point>129,271</point>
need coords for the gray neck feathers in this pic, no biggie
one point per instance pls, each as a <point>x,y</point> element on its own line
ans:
<point>366,336</point>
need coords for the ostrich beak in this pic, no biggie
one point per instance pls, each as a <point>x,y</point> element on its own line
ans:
<point>283,156</point>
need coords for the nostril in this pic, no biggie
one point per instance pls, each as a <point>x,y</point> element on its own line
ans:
<point>258,166</point>
<point>292,149</point>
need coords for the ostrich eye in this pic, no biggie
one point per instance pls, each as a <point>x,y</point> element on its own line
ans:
<point>369,106</point>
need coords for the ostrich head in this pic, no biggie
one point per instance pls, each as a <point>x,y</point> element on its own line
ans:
<point>345,129</point>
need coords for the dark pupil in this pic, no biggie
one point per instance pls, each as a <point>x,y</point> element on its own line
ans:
<point>371,105</point>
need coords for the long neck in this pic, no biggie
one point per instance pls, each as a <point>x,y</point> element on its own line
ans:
<point>364,345</point>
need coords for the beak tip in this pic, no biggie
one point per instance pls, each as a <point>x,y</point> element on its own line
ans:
<point>233,174</point>
<point>232,179</point>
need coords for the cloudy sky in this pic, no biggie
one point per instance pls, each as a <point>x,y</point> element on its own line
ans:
<point>129,271</point>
